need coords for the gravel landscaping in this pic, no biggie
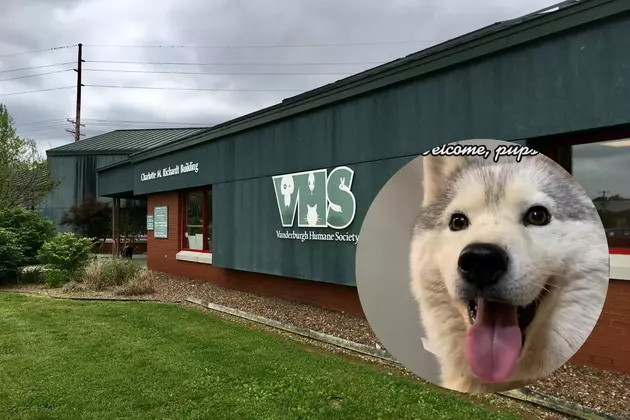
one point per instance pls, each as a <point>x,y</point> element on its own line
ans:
<point>601,390</point>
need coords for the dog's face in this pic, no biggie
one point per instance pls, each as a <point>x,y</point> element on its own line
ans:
<point>504,237</point>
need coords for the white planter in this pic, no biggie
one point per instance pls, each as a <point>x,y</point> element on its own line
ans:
<point>192,241</point>
<point>199,241</point>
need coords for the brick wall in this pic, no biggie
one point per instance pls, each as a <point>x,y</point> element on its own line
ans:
<point>161,252</point>
<point>161,257</point>
<point>608,347</point>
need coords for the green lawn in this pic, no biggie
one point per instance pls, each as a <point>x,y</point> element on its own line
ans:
<point>131,360</point>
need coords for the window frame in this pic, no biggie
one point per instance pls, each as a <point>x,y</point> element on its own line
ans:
<point>204,215</point>
<point>559,149</point>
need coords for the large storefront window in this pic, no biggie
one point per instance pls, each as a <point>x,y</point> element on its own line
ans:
<point>603,169</point>
<point>197,220</point>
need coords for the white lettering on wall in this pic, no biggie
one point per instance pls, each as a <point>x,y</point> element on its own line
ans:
<point>183,168</point>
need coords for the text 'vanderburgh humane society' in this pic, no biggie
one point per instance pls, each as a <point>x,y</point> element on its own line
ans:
<point>311,235</point>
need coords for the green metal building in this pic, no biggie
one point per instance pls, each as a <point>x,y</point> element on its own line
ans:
<point>220,206</point>
<point>539,76</point>
<point>74,165</point>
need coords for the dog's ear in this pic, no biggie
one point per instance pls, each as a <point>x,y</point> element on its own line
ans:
<point>436,171</point>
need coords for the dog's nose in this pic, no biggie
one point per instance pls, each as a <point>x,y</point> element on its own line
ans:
<point>482,264</point>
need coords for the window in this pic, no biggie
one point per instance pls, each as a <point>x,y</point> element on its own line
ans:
<point>603,169</point>
<point>197,220</point>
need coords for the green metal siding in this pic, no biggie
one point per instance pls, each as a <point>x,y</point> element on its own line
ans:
<point>573,81</point>
<point>77,176</point>
<point>492,40</point>
<point>570,83</point>
<point>246,219</point>
<point>116,180</point>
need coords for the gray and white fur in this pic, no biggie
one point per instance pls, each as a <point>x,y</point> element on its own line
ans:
<point>568,258</point>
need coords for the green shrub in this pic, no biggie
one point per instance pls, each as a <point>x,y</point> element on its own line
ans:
<point>66,252</point>
<point>11,256</point>
<point>56,277</point>
<point>116,272</point>
<point>140,284</point>
<point>100,275</point>
<point>31,228</point>
<point>32,275</point>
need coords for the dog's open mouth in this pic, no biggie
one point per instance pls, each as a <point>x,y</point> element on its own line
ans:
<point>524,314</point>
<point>496,338</point>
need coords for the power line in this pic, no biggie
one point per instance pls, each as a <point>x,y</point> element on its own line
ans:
<point>38,51</point>
<point>42,121</point>
<point>38,90</point>
<point>99,121</point>
<point>37,67</point>
<point>109,126</point>
<point>194,89</point>
<point>356,44</point>
<point>63,122</point>
<point>233,64</point>
<point>216,73</point>
<point>39,126</point>
<point>28,123</point>
<point>35,75</point>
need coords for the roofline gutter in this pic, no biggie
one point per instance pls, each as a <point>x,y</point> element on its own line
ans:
<point>448,54</point>
<point>114,165</point>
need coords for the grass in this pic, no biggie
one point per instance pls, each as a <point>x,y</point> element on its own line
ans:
<point>110,360</point>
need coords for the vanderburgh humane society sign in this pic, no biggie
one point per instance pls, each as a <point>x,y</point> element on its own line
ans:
<point>320,200</point>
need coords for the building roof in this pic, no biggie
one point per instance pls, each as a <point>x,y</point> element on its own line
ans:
<point>124,142</point>
<point>491,39</point>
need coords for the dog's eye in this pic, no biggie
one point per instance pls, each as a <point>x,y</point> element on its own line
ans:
<point>458,221</point>
<point>537,216</point>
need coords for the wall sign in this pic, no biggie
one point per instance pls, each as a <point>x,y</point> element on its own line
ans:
<point>181,169</point>
<point>149,222</point>
<point>160,222</point>
<point>321,200</point>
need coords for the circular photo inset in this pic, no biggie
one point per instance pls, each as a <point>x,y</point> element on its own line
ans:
<point>483,266</point>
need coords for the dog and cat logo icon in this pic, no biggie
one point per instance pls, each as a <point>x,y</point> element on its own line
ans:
<point>319,199</point>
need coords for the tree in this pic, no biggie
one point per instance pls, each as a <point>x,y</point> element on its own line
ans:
<point>133,220</point>
<point>91,218</point>
<point>30,228</point>
<point>25,179</point>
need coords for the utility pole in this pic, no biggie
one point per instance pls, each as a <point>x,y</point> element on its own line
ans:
<point>74,131</point>
<point>77,120</point>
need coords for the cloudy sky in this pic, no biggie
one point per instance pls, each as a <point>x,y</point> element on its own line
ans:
<point>263,37</point>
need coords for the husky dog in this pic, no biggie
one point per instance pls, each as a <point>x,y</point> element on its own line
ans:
<point>509,265</point>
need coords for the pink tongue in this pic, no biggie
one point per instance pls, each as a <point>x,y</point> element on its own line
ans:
<point>493,343</point>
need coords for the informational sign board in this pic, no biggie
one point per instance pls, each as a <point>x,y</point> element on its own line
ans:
<point>149,222</point>
<point>160,222</point>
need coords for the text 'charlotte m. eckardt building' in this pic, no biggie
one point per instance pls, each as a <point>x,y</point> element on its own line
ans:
<point>244,204</point>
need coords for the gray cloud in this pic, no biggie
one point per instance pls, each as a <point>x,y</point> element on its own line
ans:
<point>602,168</point>
<point>35,24</point>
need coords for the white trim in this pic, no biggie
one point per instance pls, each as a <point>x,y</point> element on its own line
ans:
<point>619,263</point>
<point>196,257</point>
<point>620,266</point>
